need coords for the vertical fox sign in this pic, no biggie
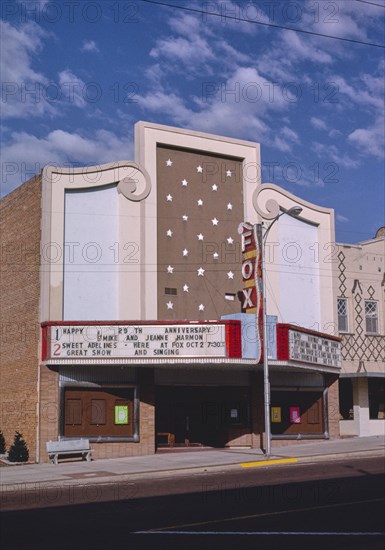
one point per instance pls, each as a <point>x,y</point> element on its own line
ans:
<point>251,236</point>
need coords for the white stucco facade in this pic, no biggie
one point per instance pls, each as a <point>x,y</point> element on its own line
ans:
<point>360,288</point>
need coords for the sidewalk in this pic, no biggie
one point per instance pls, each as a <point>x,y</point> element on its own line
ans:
<point>167,464</point>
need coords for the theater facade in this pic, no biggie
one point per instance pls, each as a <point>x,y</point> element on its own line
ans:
<point>134,317</point>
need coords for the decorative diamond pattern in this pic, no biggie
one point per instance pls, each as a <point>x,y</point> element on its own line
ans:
<point>341,276</point>
<point>358,345</point>
<point>371,292</point>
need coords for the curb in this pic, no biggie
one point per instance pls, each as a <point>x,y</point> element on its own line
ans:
<point>20,496</point>
<point>185,470</point>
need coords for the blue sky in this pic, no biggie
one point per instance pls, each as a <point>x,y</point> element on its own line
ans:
<point>77,75</point>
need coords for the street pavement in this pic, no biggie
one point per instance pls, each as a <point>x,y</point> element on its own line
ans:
<point>174,463</point>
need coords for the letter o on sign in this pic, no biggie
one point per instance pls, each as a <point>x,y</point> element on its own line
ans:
<point>247,270</point>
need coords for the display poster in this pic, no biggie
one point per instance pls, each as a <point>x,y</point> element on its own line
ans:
<point>276,414</point>
<point>295,415</point>
<point>121,414</point>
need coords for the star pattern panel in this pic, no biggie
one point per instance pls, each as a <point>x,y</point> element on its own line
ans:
<point>200,205</point>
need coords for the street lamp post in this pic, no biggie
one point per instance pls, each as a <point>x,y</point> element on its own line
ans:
<point>294,211</point>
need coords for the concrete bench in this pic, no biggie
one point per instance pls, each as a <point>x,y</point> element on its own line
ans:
<point>68,447</point>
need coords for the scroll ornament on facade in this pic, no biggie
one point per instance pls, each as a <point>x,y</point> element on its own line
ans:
<point>138,178</point>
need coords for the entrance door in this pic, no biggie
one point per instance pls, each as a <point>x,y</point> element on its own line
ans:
<point>202,416</point>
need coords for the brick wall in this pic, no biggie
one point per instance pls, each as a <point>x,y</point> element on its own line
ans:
<point>48,409</point>
<point>20,214</point>
<point>332,382</point>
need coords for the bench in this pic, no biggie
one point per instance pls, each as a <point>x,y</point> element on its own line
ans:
<point>68,447</point>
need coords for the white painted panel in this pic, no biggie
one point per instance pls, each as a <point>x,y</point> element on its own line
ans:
<point>91,274</point>
<point>299,273</point>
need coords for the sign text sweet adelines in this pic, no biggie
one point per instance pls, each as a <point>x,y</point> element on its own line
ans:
<point>92,341</point>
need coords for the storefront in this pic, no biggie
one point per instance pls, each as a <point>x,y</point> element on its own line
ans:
<point>128,385</point>
<point>138,388</point>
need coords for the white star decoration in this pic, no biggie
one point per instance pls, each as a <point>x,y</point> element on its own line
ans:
<point>190,223</point>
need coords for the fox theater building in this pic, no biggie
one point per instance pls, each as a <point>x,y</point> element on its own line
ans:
<point>133,304</point>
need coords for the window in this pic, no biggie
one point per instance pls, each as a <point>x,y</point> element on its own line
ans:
<point>342,309</point>
<point>104,412</point>
<point>371,317</point>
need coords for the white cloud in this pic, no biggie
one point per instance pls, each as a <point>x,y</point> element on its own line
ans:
<point>303,49</point>
<point>24,88</point>
<point>318,123</point>
<point>367,90</point>
<point>89,46</point>
<point>334,133</point>
<point>186,24</point>
<point>341,218</point>
<point>163,102</point>
<point>290,134</point>
<point>205,23</point>
<point>237,106</point>
<point>333,153</point>
<point>284,140</point>
<point>27,92</point>
<point>192,52</point>
<point>26,154</point>
<point>72,88</point>
<point>337,18</point>
<point>370,140</point>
